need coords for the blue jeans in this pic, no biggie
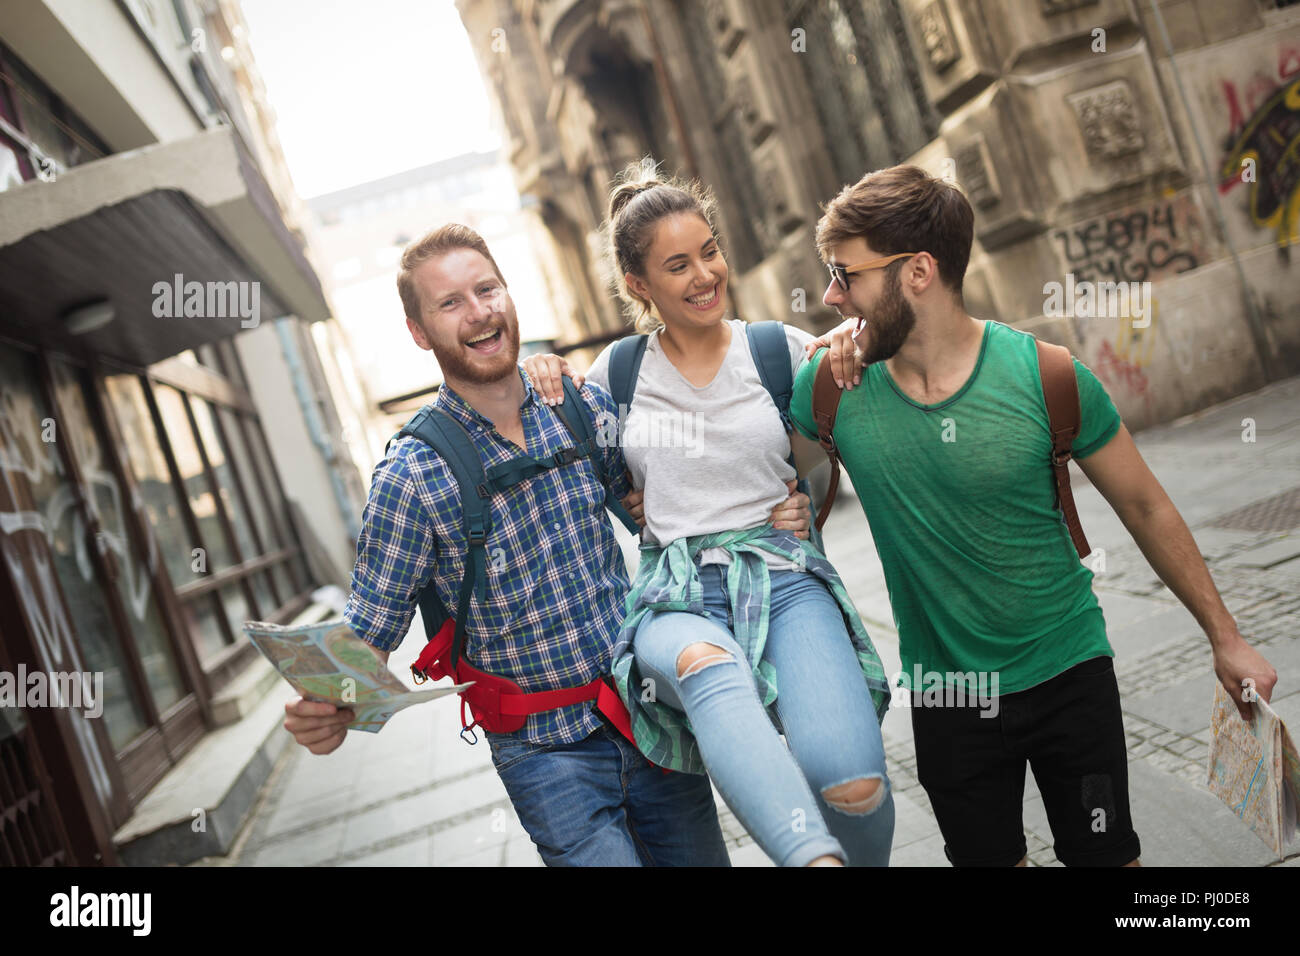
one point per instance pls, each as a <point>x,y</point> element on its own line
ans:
<point>599,802</point>
<point>823,704</point>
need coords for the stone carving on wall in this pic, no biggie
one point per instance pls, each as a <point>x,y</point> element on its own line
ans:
<point>727,31</point>
<point>936,35</point>
<point>747,89</point>
<point>976,174</point>
<point>1052,7</point>
<point>779,192</point>
<point>1108,117</point>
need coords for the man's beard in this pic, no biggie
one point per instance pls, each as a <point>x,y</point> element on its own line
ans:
<point>889,324</point>
<point>455,364</point>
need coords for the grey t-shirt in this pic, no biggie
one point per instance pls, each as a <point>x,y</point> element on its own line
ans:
<point>709,459</point>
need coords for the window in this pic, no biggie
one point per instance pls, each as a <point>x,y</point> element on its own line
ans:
<point>210,491</point>
<point>108,505</point>
<point>747,240</point>
<point>34,471</point>
<point>868,95</point>
<point>165,506</point>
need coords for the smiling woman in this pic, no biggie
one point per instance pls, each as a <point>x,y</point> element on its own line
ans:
<point>733,620</point>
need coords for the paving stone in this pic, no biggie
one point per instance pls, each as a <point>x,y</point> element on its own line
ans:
<point>420,810</point>
<point>311,848</point>
<point>751,855</point>
<point>415,853</point>
<point>1267,555</point>
<point>522,853</point>
<point>912,821</point>
<point>1182,826</point>
<point>927,852</point>
<point>290,815</point>
<point>1215,543</point>
<point>475,839</point>
<point>1183,707</point>
<point>1121,609</point>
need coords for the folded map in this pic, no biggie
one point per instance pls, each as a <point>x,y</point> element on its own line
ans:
<point>327,662</point>
<point>1255,769</point>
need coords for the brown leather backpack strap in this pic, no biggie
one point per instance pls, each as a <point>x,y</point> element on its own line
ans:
<point>1061,393</point>
<point>825,406</point>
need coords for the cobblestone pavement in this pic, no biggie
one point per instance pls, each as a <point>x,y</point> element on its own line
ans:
<point>417,795</point>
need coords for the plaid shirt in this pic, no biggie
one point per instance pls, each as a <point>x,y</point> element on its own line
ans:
<point>556,578</point>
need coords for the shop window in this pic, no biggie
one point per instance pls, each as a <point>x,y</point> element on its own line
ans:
<point>132,558</point>
<point>45,499</point>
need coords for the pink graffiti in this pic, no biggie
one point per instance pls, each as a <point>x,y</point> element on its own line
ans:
<point>1118,372</point>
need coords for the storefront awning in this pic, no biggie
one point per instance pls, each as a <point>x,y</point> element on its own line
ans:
<point>121,228</point>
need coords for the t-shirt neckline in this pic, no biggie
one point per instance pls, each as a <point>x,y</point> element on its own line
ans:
<point>966,386</point>
<point>678,372</point>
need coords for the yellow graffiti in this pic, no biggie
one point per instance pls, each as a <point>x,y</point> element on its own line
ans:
<point>1136,345</point>
<point>1271,141</point>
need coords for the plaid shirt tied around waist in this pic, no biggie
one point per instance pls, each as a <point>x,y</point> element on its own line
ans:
<point>556,578</point>
<point>668,580</point>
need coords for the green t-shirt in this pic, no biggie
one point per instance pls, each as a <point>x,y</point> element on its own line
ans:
<point>981,571</point>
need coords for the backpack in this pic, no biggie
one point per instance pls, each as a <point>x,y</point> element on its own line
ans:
<point>497,703</point>
<point>771,353</point>
<point>1060,392</point>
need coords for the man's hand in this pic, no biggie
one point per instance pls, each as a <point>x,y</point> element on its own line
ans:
<point>635,505</point>
<point>319,727</point>
<point>846,355</point>
<point>793,514</point>
<point>1244,674</point>
<point>544,371</point>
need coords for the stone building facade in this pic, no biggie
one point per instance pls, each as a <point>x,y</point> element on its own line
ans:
<point>172,458</point>
<point>1103,143</point>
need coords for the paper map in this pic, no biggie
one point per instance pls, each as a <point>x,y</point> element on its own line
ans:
<point>328,662</point>
<point>1254,769</point>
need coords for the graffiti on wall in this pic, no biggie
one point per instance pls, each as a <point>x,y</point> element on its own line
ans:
<point>1263,152</point>
<point>1121,364</point>
<point>1140,243</point>
<point>26,460</point>
<point>1136,243</point>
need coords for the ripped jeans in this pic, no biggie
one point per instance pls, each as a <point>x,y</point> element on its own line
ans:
<point>823,705</point>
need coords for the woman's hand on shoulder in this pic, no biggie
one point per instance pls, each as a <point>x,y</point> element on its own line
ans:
<point>545,371</point>
<point>845,357</point>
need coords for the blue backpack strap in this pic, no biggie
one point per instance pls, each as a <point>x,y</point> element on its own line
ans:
<point>624,367</point>
<point>771,352</point>
<point>449,439</point>
<point>580,420</point>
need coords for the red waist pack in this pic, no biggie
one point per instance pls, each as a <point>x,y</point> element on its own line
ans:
<point>498,704</point>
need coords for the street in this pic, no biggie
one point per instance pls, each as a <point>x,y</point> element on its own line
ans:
<point>415,794</point>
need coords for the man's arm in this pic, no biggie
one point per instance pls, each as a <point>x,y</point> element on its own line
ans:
<point>1118,471</point>
<point>394,551</point>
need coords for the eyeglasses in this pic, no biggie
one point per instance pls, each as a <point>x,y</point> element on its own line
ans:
<point>841,273</point>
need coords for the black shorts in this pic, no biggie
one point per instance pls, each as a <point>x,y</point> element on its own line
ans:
<point>1071,732</point>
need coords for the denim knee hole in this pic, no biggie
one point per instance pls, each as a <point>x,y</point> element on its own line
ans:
<point>705,660</point>
<point>864,804</point>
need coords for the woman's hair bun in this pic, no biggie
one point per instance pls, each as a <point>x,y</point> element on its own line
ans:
<point>635,179</point>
